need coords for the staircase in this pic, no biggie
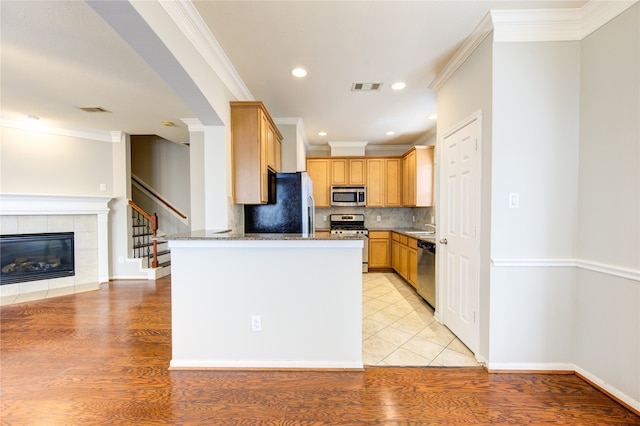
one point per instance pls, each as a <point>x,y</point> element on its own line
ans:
<point>153,255</point>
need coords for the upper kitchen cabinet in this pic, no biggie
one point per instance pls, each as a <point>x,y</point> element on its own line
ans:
<point>256,149</point>
<point>319,170</point>
<point>417,175</point>
<point>384,182</point>
<point>348,171</point>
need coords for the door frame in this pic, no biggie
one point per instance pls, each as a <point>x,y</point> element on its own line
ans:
<point>477,188</point>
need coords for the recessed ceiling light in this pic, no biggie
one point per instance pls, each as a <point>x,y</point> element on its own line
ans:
<point>391,133</point>
<point>168,123</point>
<point>433,116</point>
<point>322,133</point>
<point>399,85</point>
<point>299,72</point>
<point>32,117</point>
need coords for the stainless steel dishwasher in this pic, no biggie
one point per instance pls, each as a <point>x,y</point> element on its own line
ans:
<point>427,271</point>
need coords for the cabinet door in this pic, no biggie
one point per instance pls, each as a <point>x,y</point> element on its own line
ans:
<point>357,171</point>
<point>339,171</point>
<point>278,156</point>
<point>424,176</point>
<point>392,182</point>
<point>404,261</point>
<point>270,137</point>
<point>409,162</point>
<point>379,253</point>
<point>320,173</point>
<point>412,267</point>
<point>395,255</point>
<point>375,182</point>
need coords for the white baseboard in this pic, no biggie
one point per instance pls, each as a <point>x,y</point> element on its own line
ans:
<point>569,368</point>
<point>607,388</point>
<point>530,366</point>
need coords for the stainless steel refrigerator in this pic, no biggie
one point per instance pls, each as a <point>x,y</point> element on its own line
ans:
<point>290,209</point>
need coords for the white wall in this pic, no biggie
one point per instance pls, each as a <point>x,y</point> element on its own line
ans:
<point>164,165</point>
<point>466,92</point>
<point>535,153</point>
<point>563,289</point>
<point>33,162</point>
<point>607,302</point>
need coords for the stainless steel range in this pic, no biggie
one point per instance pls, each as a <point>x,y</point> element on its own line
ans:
<point>350,225</point>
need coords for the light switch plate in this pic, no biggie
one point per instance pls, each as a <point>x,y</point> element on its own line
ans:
<point>514,200</point>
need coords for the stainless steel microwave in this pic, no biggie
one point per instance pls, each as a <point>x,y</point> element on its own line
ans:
<point>348,196</point>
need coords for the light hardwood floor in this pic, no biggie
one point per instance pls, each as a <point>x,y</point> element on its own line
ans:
<point>101,358</point>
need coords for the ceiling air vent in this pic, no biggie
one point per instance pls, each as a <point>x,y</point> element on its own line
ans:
<point>365,87</point>
<point>93,109</point>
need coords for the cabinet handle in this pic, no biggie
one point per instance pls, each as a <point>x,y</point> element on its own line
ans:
<point>443,241</point>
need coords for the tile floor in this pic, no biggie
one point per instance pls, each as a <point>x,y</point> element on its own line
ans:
<point>399,329</point>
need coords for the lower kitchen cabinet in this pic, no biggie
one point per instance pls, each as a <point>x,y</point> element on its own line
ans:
<point>404,257</point>
<point>412,262</point>
<point>395,252</point>
<point>379,249</point>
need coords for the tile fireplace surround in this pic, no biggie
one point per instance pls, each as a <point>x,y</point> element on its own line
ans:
<point>85,216</point>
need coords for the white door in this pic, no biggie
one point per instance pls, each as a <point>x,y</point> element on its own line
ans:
<point>459,219</point>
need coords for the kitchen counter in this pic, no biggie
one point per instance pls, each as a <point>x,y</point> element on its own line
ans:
<point>220,235</point>
<point>265,301</point>
<point>408,232</point>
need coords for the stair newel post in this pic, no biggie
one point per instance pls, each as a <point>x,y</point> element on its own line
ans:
<point>154,230</point>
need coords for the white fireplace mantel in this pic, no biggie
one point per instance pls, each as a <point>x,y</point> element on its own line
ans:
<point>34,205</point>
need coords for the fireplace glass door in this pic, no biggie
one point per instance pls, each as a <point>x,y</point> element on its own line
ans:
<point>32,257</point>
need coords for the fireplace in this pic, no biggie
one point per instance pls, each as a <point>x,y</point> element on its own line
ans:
<point>33,257</point>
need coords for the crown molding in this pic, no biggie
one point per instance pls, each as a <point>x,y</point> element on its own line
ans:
<point>535,25</point>
<point>194,124</point>
<point>190,23</point>
<point>470,44</point>
<point>295,121</point>
<point>597,13</point>
<point>90,134</point>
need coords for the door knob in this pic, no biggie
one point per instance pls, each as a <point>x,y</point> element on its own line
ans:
<point>443,241</point>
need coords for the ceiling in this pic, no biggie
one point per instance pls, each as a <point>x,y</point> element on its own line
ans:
<point>61,55</point>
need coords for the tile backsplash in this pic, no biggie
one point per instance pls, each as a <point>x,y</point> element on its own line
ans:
<point>390,218</point>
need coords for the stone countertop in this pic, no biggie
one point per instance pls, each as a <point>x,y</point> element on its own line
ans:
<point>226,234</point>
<point>408,232</point>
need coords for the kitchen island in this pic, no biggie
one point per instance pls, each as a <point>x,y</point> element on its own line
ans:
<point>265,301</point>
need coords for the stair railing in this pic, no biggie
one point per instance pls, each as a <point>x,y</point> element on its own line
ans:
<point>145,231</point>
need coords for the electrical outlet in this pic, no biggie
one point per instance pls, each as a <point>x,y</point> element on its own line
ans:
<point>324,218</point>
<point>103,187</point>
<point>256,323</point>
<point>379,218</point>
<point>414,219</point>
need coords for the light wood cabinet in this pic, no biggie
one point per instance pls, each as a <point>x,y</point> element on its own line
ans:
<point>254,141</point>
<point>319,170</point>
<point>375,182</point>
<point>381,176</point>
<point>412,262</point>
<point>348,171</point>
<point>384,182</point>
<point>417,176</point>
<point>404,257</point>
<point>274,146</point>
<point>379,249</point>
<point>392,182</point>
<point>395,252</point>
